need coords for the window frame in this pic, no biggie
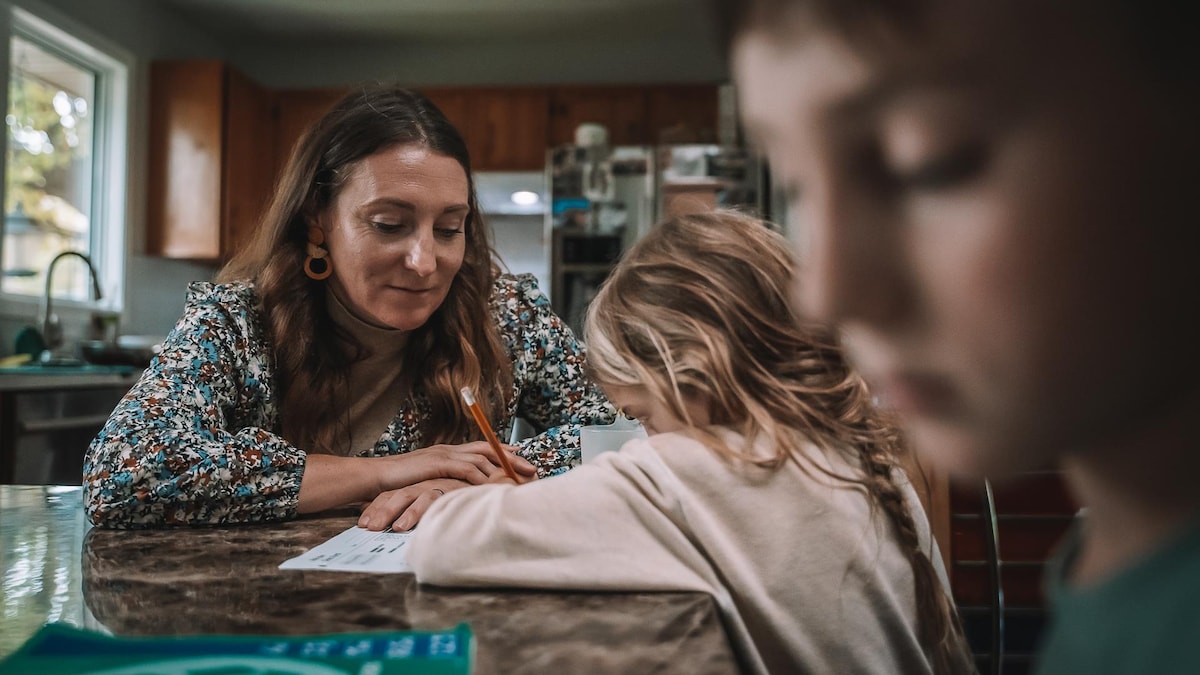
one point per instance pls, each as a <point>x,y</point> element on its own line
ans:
<point>110,161</point>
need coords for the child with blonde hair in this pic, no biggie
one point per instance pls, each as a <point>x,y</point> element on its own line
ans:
<point>768,479</point>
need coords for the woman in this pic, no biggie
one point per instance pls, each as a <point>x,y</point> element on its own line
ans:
<point>324,368</point>
<point>994,201</point>
<point>768,480</point>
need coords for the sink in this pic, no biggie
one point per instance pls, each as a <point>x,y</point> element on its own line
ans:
<point>101,353</point>
<point>127,350</point>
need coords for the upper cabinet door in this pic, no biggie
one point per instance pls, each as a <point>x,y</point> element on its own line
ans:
<point>294,110</point>
<point>504,127</point>
<point>210,160</point>
<point>210,168</point>
<point>458,105</point>
<point>509,129</point>
<point>682,113</point>
<point>249,166</point>
<point>621,109</point>
<point>186,154</point>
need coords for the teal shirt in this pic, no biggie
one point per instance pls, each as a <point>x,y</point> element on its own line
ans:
<point>1145,619</point>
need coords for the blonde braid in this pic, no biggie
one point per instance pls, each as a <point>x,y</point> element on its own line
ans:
<point>939,627</point>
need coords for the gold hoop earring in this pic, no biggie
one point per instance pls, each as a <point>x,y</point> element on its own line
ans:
<point>316,265</point>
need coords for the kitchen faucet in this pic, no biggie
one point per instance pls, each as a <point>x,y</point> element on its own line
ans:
<point>51,326</point>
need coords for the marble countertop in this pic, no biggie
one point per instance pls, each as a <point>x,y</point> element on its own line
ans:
<point>226,580</point>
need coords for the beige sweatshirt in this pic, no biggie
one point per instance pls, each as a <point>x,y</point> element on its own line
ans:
<point>806,577</point>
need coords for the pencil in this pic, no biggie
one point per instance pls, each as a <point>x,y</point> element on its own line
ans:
<point>490,435</point>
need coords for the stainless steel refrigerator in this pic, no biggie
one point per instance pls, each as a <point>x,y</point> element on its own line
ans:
<point>602,200</point>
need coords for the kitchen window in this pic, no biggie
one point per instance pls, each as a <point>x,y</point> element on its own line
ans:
<point>64,176</point>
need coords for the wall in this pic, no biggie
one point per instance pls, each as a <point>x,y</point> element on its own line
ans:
<point>472,43</point>
<point>544,60</point>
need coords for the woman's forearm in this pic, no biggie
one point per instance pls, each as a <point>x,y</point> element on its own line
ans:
<point>330,481</point>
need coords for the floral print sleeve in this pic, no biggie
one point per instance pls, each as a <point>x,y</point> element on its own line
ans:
<point>193,440</point>
<point>553,393</point>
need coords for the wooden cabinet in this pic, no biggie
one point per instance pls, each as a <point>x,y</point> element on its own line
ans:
<point>45,428</point>
<point>504,127</point>
<point>218,141</point>
<point>682,114</point>
<point>507,131</point>
<point>210,160</point>
<point>510,128</point>
<point>636,115</point>
<point>293,110</point>
<point>621,109</point>
<point>457,105</point>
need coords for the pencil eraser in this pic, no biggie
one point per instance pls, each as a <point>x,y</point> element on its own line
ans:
<point>468,396</point>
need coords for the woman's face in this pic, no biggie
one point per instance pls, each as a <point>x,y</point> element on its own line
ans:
<point>993,216</point>
<point>396,235</point>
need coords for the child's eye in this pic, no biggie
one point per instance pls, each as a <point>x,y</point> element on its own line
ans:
<point>946,170</point>
<point>448,232</point>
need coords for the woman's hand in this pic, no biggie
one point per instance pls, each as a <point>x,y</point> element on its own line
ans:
<point>501,478</point>
<point>445,467</point>
<point>472,463</point>
<point>331,482</point>
<point>402,509</point>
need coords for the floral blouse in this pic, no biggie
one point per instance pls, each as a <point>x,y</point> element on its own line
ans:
<point>196,440</point>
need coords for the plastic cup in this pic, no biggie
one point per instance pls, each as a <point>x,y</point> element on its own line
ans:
<point>601,438</point>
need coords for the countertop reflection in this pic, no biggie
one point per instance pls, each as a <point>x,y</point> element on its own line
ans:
<point>41,532</point>
<point>227,580</point>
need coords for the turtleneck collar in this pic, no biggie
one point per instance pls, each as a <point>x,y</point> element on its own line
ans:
<point>379,342</point>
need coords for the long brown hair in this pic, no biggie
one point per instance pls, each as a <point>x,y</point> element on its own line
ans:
<point>699,310</point>
<point>458,346</point>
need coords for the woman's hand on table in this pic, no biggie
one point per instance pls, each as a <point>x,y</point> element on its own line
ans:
<point>468,464</point>
<point>473,463</point>
<point>402,509</point>
<point>331,482</point>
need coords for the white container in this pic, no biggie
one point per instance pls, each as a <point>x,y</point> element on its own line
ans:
<point>599,438</point>
<point>591,135</point>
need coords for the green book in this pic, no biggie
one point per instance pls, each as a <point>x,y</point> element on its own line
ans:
<point>59,648</point>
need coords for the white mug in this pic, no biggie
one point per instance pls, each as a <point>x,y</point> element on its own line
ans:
<point>599,438</point>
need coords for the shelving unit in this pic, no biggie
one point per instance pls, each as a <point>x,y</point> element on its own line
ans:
<point>580,261</point>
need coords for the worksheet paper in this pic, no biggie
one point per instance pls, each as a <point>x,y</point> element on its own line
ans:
<point>357,550</point>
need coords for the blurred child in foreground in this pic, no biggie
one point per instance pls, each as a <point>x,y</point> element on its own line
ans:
<point>994,204</point>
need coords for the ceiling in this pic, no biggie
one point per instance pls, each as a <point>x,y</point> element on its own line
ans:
<point>341,21</point>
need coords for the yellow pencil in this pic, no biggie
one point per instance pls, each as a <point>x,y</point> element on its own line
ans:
<point>490,435</point>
